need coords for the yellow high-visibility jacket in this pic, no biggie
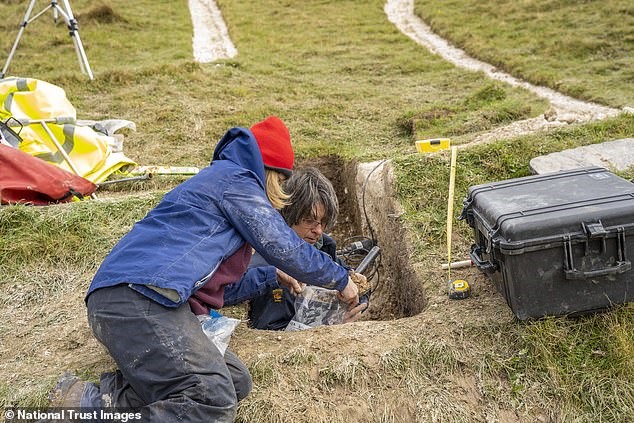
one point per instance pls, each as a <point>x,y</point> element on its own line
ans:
<point>40,106</point>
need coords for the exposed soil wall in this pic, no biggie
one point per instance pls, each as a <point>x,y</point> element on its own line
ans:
<point>400,291</point>
<point>368,208</point>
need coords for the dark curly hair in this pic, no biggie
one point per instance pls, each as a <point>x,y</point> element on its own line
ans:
<point>308,188</point>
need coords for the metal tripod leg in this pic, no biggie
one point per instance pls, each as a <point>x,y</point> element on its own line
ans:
<point>73,29</point>
<point>25,21</point>
<point>74,33</point>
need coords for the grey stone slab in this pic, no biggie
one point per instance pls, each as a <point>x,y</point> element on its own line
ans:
<point>615,155</point>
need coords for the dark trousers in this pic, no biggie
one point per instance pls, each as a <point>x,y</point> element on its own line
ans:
<point>168,368</point>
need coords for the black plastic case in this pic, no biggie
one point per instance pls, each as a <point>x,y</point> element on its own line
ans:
<point>555,244</point>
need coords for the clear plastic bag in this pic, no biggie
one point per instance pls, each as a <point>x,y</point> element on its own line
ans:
<point>317,306</point>
<point>218,329</point>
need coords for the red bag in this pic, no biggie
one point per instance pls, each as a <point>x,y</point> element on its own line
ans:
<point>27,179</point>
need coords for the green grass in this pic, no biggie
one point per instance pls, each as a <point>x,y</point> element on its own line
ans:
<point>579,367</point>
<point>350,85</point>
<point>78,233</point>
<point>115,35</point>
<point>582,48</point>
<point>420,359</point>
<point>588,362</point>
<point>347,372</point>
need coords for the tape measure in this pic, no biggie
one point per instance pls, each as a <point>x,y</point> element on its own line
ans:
<point>459,289</point>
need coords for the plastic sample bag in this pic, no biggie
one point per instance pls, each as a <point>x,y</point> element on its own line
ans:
<point>218,329</point>
<point>317,306</point>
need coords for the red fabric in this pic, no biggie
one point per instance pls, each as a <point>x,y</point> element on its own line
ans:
<point>274,141</point>
<point>211,294</point>
<point>27,179</point>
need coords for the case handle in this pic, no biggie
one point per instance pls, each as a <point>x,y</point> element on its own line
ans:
<point>622,265</point>
<point>485,266</point>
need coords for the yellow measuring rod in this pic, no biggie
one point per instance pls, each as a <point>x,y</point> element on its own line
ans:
<point>458,289</point>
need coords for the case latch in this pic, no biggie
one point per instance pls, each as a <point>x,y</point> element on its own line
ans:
<point>595,230</point>
<point>622,265</point>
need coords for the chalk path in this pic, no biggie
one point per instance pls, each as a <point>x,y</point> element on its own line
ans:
<point>211,39</point>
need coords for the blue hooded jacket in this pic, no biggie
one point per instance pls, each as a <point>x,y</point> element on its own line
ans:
<point>180,243</point>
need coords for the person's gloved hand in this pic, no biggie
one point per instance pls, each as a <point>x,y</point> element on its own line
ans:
<point>293,285</point>
<point>350,294</point>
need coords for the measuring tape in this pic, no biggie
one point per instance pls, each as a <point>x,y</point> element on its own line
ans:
<point>459,289</point>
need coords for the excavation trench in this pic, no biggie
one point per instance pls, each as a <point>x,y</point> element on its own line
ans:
<point>369,209</point>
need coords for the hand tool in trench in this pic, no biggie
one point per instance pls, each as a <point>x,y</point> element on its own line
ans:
<point>368,260</point>
<point>362,267</point>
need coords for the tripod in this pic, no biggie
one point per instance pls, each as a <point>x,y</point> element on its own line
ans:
<point>73,31</point>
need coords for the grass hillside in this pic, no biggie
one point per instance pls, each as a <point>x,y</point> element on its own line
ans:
<point>349,86</point>
<point>584,48</point>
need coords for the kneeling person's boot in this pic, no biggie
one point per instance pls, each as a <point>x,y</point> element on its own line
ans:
<point>67,393</point>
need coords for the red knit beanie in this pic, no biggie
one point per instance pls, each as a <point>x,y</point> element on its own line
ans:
<point>274,141</point>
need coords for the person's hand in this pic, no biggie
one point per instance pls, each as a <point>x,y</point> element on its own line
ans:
<point>350,294</point>
<point>353,314</point>
<point>289,282</point>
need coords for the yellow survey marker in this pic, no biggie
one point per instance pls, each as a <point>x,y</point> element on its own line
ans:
<point>432,145</point>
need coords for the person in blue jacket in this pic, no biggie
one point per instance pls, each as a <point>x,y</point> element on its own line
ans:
<point>174,264</point>
<point>311,211</point>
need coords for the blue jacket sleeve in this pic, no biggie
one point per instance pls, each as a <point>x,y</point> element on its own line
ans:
<point>249,211</point>
<point>254,283</point>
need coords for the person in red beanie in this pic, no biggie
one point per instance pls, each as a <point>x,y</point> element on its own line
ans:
<point>174,264</point>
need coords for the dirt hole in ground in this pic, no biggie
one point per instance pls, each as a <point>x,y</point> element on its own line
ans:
<point>368,209</point>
